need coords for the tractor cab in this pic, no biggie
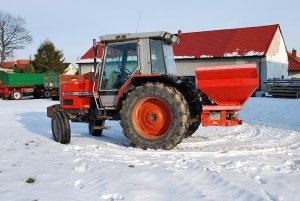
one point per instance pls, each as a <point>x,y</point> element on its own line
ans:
<point>126,55</point>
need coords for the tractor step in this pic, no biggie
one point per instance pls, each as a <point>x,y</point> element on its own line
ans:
<point>101,127</point>
<point>104,117</point>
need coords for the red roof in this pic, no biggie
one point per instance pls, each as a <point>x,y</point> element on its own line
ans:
<point>22,63</point>
<point>294,62</point>
<point>90,53</point>
<point>8,64</point>
<point>251,41</point>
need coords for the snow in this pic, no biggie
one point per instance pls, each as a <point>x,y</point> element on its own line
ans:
<point>249,53</point>
<point>206,56</point>
<point>232,54</point>
<point>235,53</point>
<point>254,53</point>
<point>184,57</point>
<point>259,160</point>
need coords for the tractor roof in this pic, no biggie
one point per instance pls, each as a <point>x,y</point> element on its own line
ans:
<point>132,36</point>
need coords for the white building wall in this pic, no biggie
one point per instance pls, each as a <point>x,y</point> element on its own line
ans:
<point>263,71</point>
<point>70,70</point>
<point>187,67</point>
<point>294,74</point>
<point>86,68</point>
<point>277,58</point>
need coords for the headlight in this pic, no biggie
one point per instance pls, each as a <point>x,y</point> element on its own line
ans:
<point>171,38</point>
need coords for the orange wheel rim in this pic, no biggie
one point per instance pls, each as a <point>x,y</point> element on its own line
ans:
<point>151,118</point>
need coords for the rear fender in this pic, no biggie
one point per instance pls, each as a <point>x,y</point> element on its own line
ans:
<point>183,85</point>
<point>52,109</point>
<point>139,79</point>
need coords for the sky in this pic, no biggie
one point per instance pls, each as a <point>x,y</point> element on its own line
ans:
<point>72,24</point>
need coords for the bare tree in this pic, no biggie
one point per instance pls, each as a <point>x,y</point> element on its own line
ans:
<point>13,34</point>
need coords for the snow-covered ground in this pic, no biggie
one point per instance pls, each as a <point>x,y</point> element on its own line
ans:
<point>259,160</point>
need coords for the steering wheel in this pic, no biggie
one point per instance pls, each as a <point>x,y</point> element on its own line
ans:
<point>128,72</point>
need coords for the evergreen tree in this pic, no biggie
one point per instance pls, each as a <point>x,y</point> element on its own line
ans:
<point>29,68</point>
<point>48,58</point>
<point>18,70</point>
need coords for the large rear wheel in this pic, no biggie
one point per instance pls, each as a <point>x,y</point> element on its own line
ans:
<point>61,128</point>
<point>155,116</point>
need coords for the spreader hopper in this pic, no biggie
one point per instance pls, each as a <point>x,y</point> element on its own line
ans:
<point>228,88</point>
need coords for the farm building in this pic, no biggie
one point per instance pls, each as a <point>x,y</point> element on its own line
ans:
<point>262,45</point>
<point>19,63</point>
<point>70,69</point>
<point>294,65</point>
<point>86,63</point>
<point>8,66</point>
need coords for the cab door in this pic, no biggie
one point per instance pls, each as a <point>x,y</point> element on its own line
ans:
<point>120,62</point>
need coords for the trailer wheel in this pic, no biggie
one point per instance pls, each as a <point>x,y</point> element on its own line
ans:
<point>16,95</point>
<point>155,116</point>
<point>94,131</point>
<point>47,94</point>
<point>61,128</point>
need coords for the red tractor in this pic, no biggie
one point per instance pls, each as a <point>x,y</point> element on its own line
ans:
<point>136,83</point>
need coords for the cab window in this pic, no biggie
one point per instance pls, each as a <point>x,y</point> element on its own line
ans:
<point>157,57</point>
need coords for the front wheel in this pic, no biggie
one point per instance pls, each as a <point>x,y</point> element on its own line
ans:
<point>61,128</point>
<point>95,127</point>
<point>155,116</point>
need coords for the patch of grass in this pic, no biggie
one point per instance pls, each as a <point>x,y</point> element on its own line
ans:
<point>30,180</point>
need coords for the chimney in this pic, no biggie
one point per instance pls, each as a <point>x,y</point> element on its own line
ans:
<point>179,32</point>
<point>294,52</point>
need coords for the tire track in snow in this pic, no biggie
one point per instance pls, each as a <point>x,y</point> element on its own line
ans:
<point>247,140</point>
<point>211,185</point>
<point>87,185</point>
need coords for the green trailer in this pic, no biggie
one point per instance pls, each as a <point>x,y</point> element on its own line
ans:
<point>51,85</point>
<point>16,85</point>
